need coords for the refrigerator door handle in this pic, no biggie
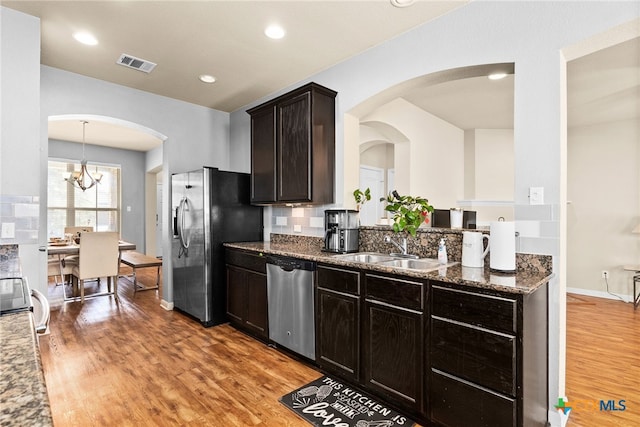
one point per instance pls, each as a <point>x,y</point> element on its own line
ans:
<point>184,206</point>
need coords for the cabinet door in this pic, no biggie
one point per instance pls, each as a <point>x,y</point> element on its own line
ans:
<point>459,403</point>
<point>485,357</point>
<point>294,149</point>
<point>263,155</point>
<point>257,318</point>
<point>236,294</point>
<point>393,353</point>
<point>338,326</point>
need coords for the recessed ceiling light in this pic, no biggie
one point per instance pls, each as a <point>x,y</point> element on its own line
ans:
<point>274,32</point>
<point>85,38</point>
<point>497,76</point>
<point>207,78</point>
<point>402,3</point>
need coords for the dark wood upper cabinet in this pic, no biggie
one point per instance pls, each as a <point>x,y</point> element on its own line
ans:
<point>263,155</point>
<point>293,147</point>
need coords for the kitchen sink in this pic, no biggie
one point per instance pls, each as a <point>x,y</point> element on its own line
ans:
<point>414,264</point>
<point>369,257</point>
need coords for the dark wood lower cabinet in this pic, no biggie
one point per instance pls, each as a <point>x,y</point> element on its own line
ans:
<point>443,354</point>
<point>459,403</point>
<point>338,321</point>
<point>488,357</point>
<point>393,357</point>
<point>247,306</point>
<point>393,340</point>
<point>484,357</point>
<point>338,348</point>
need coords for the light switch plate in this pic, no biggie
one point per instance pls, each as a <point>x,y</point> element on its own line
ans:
<point>8,230</point>
<point>536,195</point>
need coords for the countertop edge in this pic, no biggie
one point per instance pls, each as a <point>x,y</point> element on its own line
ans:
<point>23,395</point>
<point>517,283</point>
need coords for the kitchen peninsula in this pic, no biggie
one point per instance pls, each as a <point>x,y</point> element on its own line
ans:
<point>23,394</point>
<point>426,342</point>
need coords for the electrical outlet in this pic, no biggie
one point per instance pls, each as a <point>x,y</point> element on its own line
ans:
<point>605,274</point>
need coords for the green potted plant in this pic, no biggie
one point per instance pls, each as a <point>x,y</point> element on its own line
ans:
<point>361,197</point>
<point>408,212</point>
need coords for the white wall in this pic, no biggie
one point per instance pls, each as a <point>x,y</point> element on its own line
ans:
<point>435,158</point>
<point>494,175</point>
<point>201,132</point>
<point>20,165</point>
<point>529,34</point>
<point>377,156</point>
<point>604,191</point>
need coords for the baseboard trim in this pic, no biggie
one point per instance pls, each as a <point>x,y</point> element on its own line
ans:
<point>598,294</point>
<point>166,305</point>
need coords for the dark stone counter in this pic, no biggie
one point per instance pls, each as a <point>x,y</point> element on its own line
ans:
<point>23,393</point>
<point>533,270</point>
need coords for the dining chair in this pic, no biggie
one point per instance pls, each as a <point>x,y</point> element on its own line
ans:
<point>98,257</point>
<point>54,268</point>
<point>69,261</point>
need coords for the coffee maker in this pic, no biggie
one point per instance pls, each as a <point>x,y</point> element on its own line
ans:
<point>341,231</point>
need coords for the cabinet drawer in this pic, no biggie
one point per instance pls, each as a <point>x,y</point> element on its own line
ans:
<point>487,311</point>
<point>481,356</point>
<point>250,261</point>
<point>338,280</point>
<point>457,403</point>
<point>401,293</point>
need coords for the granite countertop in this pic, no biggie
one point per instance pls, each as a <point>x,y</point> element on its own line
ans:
<point>524,281</point>
<point>23,394</point>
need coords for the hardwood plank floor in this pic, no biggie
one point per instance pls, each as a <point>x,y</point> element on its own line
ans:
<point>134,364</point>
<point>603,361</point>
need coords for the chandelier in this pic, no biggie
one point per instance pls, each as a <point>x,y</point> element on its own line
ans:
<point>83,179</point>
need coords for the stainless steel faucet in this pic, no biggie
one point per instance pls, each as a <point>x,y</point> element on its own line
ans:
<point>402,246</point>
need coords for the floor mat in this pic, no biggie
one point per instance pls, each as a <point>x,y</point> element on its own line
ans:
<point>326,401</point>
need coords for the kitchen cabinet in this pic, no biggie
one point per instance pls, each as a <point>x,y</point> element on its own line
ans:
<point>393,343</point>
<point>482,345</point>
<point>247,292</point>
<point>338,321</point>
<point>293,147</point>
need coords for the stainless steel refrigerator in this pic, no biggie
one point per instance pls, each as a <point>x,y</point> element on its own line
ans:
<point>210,207</point>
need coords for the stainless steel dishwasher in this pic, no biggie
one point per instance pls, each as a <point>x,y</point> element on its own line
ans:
<point>291,304</point>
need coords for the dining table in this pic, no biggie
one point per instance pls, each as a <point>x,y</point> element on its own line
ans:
<point>64,248</point>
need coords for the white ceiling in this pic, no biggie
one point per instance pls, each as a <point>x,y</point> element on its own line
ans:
<point>225,39</point>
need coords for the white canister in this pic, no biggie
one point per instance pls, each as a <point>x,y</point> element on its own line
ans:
<point>456,218</point>
<point>503,246</point>
<point>473,250</point>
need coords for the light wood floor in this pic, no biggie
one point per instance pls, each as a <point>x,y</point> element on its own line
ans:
<point>603,361</point>
<point>135,364</point>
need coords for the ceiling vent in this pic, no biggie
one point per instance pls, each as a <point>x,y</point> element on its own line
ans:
<point>136,63</point>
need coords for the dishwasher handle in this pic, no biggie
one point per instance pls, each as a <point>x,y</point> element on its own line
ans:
<point>290,264</point>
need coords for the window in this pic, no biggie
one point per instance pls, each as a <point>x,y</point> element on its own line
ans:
<point>97,207</point>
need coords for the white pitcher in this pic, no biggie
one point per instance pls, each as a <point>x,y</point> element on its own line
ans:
<point>473,251</point>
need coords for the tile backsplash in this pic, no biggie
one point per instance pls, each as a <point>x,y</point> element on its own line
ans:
<point>306,221</point>
<point>19,219</point>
